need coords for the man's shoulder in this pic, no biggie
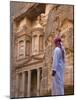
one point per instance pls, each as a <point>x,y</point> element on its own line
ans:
<point>57,49</point>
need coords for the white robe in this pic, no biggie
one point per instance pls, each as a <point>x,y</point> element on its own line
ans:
<point>58,79</point>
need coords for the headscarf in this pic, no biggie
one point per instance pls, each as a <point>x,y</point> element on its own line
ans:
<point>56,40</point>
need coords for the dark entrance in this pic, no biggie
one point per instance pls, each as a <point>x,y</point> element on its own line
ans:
<point>34,82</point>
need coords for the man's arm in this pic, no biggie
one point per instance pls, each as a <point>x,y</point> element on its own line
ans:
<point>55,61</point>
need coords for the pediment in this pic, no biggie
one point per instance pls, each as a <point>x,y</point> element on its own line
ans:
<point>33,60</point>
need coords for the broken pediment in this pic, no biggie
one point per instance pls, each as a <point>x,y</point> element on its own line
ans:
<point>24,24</point>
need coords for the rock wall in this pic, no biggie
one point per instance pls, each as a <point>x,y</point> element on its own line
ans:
<point>60,22</point>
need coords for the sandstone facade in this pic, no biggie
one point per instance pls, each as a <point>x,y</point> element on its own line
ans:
<point>33,30</point>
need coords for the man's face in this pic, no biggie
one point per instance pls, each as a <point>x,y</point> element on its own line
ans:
<point>57,44</point>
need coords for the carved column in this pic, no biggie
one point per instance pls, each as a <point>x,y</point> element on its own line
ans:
<point>38,82</point>
<point>23,83</point>
<point>17,86</point>
<point>29,83</point>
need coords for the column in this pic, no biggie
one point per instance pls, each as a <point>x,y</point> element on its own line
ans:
<point>32,45</point>
<point>38,43</point>
<point>23,83</point>
<point>38,82</point>
<point>17,86</point>
<point>29,83</point>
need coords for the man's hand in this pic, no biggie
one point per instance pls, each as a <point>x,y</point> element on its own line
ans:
<point>53,72</point>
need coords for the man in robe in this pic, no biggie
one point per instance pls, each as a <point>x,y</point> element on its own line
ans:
<point>58,68</point>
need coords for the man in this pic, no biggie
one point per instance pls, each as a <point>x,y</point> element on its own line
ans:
<point>58,68</point>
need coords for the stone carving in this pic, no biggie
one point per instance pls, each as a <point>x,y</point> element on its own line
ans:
<point>36,68</point>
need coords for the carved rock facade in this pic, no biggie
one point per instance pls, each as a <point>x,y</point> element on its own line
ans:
<point>34,29</point>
